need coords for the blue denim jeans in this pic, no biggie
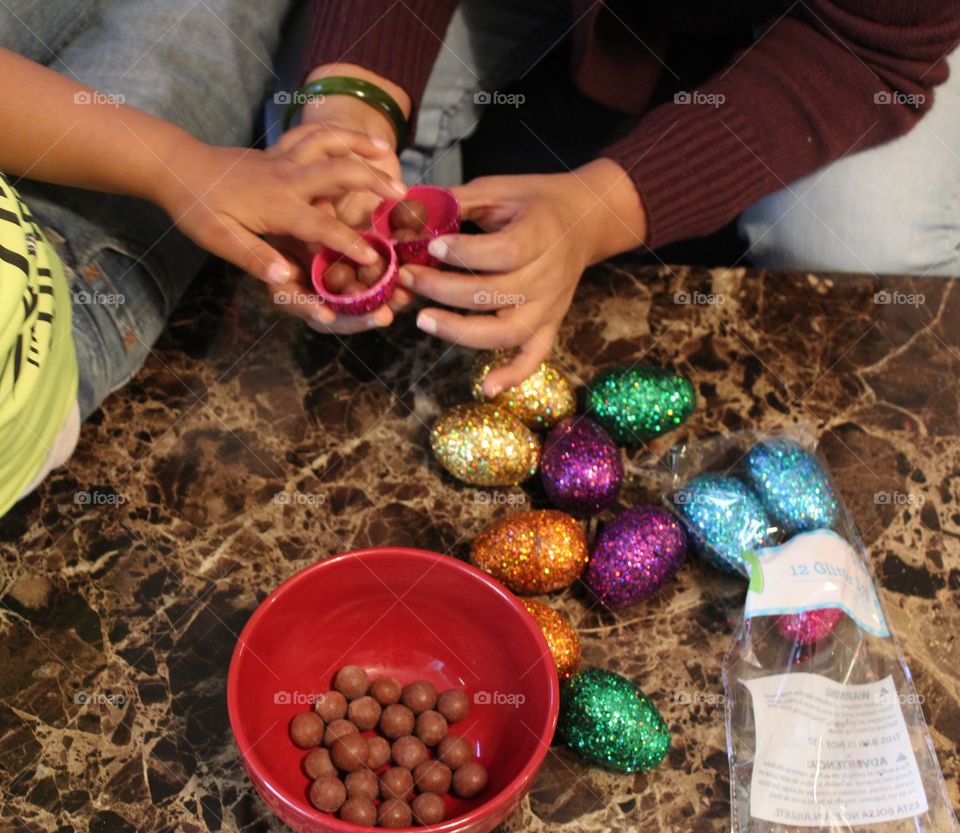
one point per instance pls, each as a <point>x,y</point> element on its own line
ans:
<point>204,66</point>
<point>891,209</point>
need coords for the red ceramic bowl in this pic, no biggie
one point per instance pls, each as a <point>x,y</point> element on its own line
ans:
<point>374,297</point>
<point>443,217</point>
<point>413,615</point>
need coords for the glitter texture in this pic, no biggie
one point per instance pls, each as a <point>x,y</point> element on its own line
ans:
<point>580,467</point>
<point>540,401</point>
<point>635,555</point>
<point>723,518</point>
<point>485,445</point>
<point>809,626</point>
<point>608,721</point>
<point>533,552</point>
<point>637,403</point>
<point>792,485</point>
<point>561,636</point>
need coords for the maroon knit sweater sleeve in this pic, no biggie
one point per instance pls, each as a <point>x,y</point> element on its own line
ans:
<point>397,40</point>
<point>828,79</point>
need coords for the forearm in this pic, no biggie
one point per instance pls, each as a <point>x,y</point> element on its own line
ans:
<point>351,113</point>
<point>397,42</point>
<point>57,130</point>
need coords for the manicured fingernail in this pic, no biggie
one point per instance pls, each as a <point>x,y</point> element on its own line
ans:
<point>398,186</point>
<point>321,315</point>
<point>426,323</point>
<point>438,248</point>
<point>381,143</point>
<point>406,278</point>
<point>492,390</point>
<point>279,272</point>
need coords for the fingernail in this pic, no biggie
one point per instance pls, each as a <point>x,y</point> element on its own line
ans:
<point>406,278</point>
<point>320,315</point>
<point>438,248</point>
<point>492,390</point>
<point>398,186</point>
<point>426,323</point>
<point>368,252</point>
<point>381,143</point>
<point>279,272</point>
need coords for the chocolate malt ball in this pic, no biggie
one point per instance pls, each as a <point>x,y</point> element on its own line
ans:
<point>428,809</point>
<point>351,681</point>
<point>394,813</point>
<point>331,705</point>
<point>409,214</point>
<point>318,764</point>
<point>432,777</point>
<point>430,727</point>
<point>397,721</point>
<point>337,730</point>
<point>386,691</point>
<point>364,713</point>
<point>379,752</point>
<point>469,780</point>
<point>454,705</point>
<point>419,696</point>
<point>338,276</point>
<point>362,784</point>
<point>396,782</point>
<point>405,235</point>
<point>454,751</point>
<point>306,730</point>
<point>360,811</point>
<point>327,794</point>
<point>349,753</point>
<point>371,273</point>
<point>409,752</point>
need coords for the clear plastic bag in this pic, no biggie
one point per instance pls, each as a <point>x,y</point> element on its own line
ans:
<point>824,727</point>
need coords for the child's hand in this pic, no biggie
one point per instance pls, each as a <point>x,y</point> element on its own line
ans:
<point>545,230</point>
<point>224,198</point>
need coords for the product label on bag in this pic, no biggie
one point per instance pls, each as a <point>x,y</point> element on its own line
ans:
<point>830,754</point>
<point>815,570</point>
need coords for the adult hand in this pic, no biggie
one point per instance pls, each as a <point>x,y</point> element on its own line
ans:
<point>544,230</point>
<point>353,207</point>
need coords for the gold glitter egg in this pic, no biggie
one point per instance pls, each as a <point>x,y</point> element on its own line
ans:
<point>533,552</point>
<point>540,401</point>
<point>485,445</point>
<point>561,636</point>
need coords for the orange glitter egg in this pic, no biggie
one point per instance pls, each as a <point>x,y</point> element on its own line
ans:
<point>533,552</point>
<point>485,445</point>
<point>540,401</point>
<point>561,636</point>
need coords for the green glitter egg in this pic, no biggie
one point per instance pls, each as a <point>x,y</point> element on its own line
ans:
<point>608,721</point>
<point>636,403</point>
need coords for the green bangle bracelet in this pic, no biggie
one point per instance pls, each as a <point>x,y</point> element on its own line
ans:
<point>344,85</point>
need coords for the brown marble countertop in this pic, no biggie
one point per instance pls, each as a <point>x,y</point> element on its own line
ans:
<point>126,579</point>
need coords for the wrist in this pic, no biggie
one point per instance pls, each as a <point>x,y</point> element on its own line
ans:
<point>351,113</point>
<point>184,159</point>
<point>612,209</point>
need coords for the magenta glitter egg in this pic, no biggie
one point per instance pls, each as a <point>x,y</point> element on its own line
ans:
<point>635,555</point>
<point>809,626</point>
<point>580,467</point>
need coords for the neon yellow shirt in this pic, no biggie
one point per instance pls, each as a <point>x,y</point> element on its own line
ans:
<point>38,364</point>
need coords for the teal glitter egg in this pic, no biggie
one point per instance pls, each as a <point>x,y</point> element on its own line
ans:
<point>723,519</point>
<point>636,403</point>
<point>608,721</point>
<point>792,485</point>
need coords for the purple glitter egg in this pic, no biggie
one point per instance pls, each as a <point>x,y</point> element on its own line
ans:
<point>809,626</point>
<point>635,555</point>
<point>580,467</point>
